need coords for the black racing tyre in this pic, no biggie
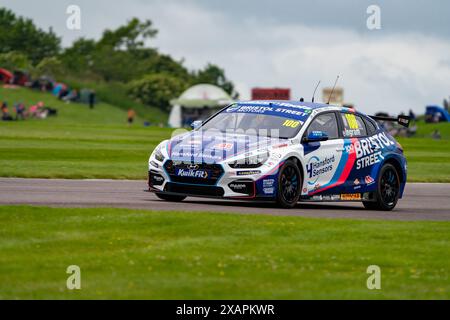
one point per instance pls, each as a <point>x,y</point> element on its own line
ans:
<point>388,190</point>
<point>289,185</point>
<point>170,197</point>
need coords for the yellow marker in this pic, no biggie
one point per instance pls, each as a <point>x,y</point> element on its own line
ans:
<point>291,123</point>
<point>351,120</point>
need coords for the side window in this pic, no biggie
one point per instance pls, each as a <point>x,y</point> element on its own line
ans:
<point>371,128</point>
<point>327,123</point>
<point>353,126</point>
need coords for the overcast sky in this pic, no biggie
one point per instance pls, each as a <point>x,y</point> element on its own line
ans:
<point>405,64</point>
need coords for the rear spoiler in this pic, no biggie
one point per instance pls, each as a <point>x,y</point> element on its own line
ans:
<point>401,120</point>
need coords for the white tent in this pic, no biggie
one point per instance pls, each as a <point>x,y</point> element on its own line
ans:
<point>197,103</point>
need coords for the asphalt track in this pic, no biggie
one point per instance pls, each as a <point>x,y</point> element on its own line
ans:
<point>422,201</point>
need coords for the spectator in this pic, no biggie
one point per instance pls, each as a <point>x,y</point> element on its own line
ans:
<point>20,111</point>
<point>4,106</point>
<point>5,113</point>
<point>131,116</point>
<point>436,135</point>
<point>35,111</point>
<point>92,99</point>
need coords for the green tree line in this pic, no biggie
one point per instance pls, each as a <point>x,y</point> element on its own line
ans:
<point>121,55</point>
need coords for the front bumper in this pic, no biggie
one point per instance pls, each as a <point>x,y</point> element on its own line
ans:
<point>228,183</point>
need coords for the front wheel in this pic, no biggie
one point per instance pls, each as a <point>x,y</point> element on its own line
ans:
<point>388,190</point>
<point>289,185</point>
<point>169,197</point>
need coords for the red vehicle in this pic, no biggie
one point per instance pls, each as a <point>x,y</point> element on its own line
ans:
<point>5,76</point>
<point>271,94</point>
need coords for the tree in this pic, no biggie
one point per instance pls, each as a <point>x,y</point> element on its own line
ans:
<point>21,35</point>
<point>129,37</point>
<point>79,57</point>
<point>212,74</point>
<point>14,61</point>
<point>49,67</point>
<point>153,62</point>
<point>156,90</point>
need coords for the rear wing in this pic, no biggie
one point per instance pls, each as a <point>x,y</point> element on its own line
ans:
<point>401,120</point>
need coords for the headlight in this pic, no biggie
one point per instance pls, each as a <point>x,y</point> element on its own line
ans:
<point>250,162</point>
<point>158,154</point>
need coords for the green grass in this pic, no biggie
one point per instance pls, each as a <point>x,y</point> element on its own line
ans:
<point>78,143</point>
<point>428,159</point>
<point>116,94</point>
<point>83,143</point>
<point>170,255</point>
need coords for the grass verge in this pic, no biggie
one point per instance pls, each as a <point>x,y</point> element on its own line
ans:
<point>172,255</point>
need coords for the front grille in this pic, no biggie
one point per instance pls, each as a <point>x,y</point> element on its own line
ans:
<point>215,172</point>
<point>194,190</point>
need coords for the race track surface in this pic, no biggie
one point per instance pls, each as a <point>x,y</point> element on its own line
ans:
<point>422,201</point>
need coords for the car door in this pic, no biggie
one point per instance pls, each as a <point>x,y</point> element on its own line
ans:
<point>355,134</point>
<point>321,159</point>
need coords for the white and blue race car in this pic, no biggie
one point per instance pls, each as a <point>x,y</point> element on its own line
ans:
<point>283,151</point>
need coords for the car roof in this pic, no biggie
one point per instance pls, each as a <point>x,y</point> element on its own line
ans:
<point>308,105</point>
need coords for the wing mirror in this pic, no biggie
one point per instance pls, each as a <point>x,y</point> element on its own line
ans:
<point>316,136</point>
<point>196,124</point>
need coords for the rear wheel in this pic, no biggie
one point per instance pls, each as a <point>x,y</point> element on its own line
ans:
<point>289,185</point>
<point>387,193</point>
<point>169,197</point>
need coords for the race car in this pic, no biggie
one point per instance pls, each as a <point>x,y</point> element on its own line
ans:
<point>283,151</point>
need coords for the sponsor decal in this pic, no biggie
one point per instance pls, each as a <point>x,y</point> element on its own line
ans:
<point>352,132</point>
<point>237,186</point>
<point>369,180</point>
<point>356,184</point>
<point>316,167</point>
<point>292,112</point>
<point>198,155</point>
<point>233,109</point>
<point>253,109</point>
<point>335,197</point>
<point>351,196</point>
<point>223,146</point>
<point>268,182</point>
<point>247,172</point>
<point>317,198</point>
<point>269,190</point>
<point>192,173</point>
<point>305,190</point>
<point>278,146</point>
<point>369,150</point>
<point>286,110</point>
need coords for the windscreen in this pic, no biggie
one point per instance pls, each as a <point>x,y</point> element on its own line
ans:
<point>268,120</point>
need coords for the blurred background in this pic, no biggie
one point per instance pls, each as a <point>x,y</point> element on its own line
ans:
<point>88,89</point>
<point>156,65</point>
